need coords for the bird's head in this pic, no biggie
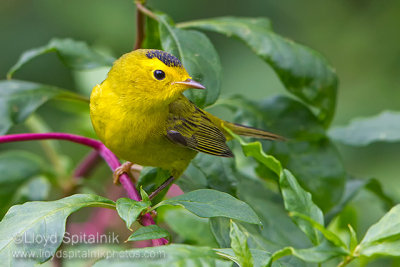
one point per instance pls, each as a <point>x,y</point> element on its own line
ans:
<point>150,75</point>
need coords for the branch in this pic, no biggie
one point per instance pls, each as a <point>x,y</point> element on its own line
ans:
<point>346,261</point>
<point>139,28</point>
<point>87,165</point>
<point>103,151</point>
<point>146,11</point>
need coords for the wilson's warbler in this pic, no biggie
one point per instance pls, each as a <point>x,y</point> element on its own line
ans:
<point>140,114</point>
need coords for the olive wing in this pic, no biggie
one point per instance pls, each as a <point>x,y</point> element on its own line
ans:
<point>189,126</point>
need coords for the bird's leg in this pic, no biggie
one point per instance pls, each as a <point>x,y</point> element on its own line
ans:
<point>124,168</point>
<point>166,183</point>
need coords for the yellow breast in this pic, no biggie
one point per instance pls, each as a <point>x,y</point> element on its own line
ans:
<point>135,133</point>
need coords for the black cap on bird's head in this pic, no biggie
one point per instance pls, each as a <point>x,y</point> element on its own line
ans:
<point>164,57</point>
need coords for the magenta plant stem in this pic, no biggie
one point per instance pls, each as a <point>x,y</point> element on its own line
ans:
<point>87,165</point>
<point>104,152</point>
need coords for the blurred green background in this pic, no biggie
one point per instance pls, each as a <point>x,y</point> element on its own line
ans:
<point>359,38</point>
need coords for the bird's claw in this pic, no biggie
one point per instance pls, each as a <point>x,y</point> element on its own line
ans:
<point>124,168</point>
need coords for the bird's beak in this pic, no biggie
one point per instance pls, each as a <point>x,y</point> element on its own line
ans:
<point>191,84</point>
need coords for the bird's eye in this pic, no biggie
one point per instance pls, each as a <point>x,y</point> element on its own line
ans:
<point>159,75</point>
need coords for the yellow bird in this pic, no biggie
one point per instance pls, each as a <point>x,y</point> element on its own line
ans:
<point>140,114</point>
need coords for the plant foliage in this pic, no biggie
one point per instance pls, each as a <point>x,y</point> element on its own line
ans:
<point>275,208</point>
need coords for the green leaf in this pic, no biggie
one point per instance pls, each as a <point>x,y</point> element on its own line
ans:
<point>296,199</point>
<point>352,188</point>
<point>198,56</point>
<point>194,177</point>
<point>46,220</point>
<point>255,150</point>
<point>375,187</point>
<point>329,235</point>
<point>239,246</point>
<point>278,228</point>
<point>304,72</point>
<point>17,168</point>
<point>171,255</point>
<point>151,178</point>
<point>220,227</point>
<point>252,28</point>
<point>18,99</point>
<point>74,54</point>
<point>260,257</point>
<point>181,222</point>
<point>152,34</point>
<point>144,195</point>
<point>384,127</point>
<point>307,151</point>
<point>148,232</point>
<point>353,238</point>
<point>383,238</point>
<point>129,209</point>
<point>36,189</point>
<point>317,254</point>
<point>208,171</point>
<point>211,203</point>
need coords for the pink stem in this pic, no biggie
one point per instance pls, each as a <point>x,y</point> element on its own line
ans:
<point>104,152</point>
<point>87,165</point>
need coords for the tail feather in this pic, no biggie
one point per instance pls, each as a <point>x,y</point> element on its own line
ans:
<point>252,132</point>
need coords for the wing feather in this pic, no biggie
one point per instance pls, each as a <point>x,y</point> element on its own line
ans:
<point>189,126</point>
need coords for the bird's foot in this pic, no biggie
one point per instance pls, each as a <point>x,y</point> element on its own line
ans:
<point>124,168</point>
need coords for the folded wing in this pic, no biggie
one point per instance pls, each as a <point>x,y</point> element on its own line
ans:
<point>189,126</point>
